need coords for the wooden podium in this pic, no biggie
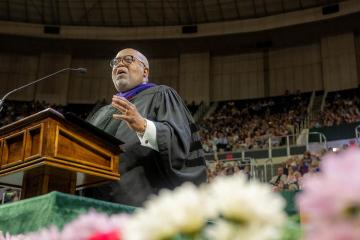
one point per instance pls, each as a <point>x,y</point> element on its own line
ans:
<point>50,152</point>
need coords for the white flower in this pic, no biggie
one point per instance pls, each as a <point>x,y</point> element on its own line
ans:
<point>252,207</point>
<point>225,230</point>
<point>146,225</point>
<point>180,211</point>
<point>191,214</point>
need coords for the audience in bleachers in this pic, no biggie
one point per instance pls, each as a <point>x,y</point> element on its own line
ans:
<point>249,124</point>
<point>340,107</point>
<point>241,125</point>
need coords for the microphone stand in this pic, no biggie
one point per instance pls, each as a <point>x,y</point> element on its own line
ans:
<point>83,70</point>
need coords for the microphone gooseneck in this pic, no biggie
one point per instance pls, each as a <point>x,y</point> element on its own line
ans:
<point>82,70</point>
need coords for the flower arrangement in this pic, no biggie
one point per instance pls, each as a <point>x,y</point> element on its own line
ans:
<point>236,208</point>
<point>331,199</point>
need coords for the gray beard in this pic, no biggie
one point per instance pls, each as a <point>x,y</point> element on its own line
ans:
<point>120,83</point>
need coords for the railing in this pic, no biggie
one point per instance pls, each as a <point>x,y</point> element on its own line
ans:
<point>357,134</point>
<point>263,169</point>
<point>304,124</point>
<point>256,169</point>
<point>322,139</point>
<point>268,144</point>
<point>238,162</point>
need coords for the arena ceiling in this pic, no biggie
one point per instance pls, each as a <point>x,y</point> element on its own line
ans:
<point>129,13</point>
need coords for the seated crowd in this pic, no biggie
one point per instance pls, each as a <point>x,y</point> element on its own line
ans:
<point>288,176</point>
<point>238,125</point>
<point>341,107</point>
<point>290,173</point>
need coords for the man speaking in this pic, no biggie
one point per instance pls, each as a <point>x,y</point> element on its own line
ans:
<point>162,148</point>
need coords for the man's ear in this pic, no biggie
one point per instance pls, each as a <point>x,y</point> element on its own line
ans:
<point>146,73</point>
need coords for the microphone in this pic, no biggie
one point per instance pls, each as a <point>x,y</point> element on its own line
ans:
<point>81,70</point>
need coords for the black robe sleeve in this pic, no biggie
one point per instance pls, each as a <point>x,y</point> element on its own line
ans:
<point>181,154</point>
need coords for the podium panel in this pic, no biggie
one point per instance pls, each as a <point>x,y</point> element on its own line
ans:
<point>46,152</point>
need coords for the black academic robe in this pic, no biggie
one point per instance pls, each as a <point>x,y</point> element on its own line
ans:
<point>144,171</point>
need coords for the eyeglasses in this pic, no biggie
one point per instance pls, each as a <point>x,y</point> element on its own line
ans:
<point>126,60</point>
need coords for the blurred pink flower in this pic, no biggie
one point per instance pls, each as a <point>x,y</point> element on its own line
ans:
<point>112,235</point>
<point>331,199</point>
<point>92,223</point>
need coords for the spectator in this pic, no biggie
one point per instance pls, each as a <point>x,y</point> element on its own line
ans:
<point>279,178</point>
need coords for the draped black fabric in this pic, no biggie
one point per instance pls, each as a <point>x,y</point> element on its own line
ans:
<point>144,171</point>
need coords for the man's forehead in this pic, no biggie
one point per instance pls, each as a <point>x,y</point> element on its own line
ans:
<point>127,52</point>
